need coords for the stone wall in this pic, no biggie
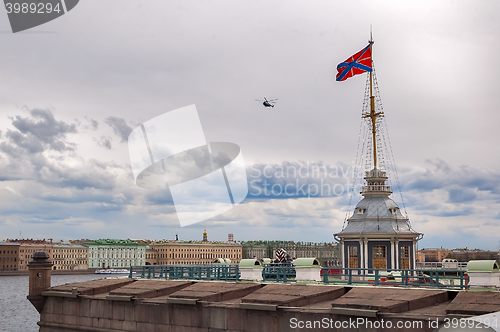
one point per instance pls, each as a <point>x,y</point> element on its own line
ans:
<point>186,306</point>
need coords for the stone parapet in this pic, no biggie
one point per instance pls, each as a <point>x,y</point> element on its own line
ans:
<point>153,305</point>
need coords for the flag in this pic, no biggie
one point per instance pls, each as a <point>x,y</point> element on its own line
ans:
<point>280,254</point>
<point>357,64</point>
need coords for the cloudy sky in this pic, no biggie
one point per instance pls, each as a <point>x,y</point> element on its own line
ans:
<point>73,89</point>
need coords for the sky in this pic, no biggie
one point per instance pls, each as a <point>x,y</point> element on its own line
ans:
<point>73,89</point>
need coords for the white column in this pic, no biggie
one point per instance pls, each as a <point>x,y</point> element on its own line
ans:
<point>361,256</point>
<point>366,252</point>
<point>398,266</point>
<point>414,255</point>
<point>342,258</point>
<point>392,254</point>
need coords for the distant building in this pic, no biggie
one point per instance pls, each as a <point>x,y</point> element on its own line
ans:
<point>30,241</point>
<point>465,254</point>
<point>328,253</point>
<point>433,254</point>
<point>70,257</point>
<point>420,256</point>
<point>28,247</point>
<point>80,242</point>
<point>151,256</point>
<point>192,252</point>
<point>9,256</point>
<point>177,252</point>
<point>107,253</point>
<point>460,254</point>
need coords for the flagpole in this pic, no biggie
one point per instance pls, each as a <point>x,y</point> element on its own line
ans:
<point>346,69</point>
<point>372,108</point>
<point>373,115</point>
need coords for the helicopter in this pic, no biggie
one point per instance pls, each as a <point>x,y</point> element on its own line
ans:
<point>267,103</point>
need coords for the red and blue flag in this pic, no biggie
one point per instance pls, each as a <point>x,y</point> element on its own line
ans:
<point>357,64</point>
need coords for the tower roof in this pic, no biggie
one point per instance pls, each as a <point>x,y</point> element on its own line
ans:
<point>377,214</point>
<point>377,207</point>
<point>364,227</point>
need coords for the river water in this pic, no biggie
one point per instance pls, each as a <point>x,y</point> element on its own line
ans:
<point>17,314</point>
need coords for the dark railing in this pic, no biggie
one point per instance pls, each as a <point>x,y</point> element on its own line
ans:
<point>457,279</point>
<point>278,272</point>
<point>194,272</point>
<point>441,265</point>
<point>452,278</point>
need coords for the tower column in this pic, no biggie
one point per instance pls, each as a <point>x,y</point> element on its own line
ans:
<point>392,255</point>
<point>366,254</point>
<point>398,263</point>
<point>361,256</point>
<point>342,254</point>
<point>414,265</point>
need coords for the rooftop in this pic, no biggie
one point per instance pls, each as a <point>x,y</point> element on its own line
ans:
<point>110,242</point>
<point>173,242</point>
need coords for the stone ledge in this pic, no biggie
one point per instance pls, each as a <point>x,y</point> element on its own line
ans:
<point>474,303</point>
<point>150,288</point>
<point>294,295</point>
<point>390,300</point>
<point>93,287</point>
<point>216,291</point>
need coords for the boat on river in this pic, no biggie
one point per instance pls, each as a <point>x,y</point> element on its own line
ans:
<point>113,271</point>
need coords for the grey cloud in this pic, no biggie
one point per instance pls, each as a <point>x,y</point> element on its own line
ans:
<point>22,157</point>
<point>159,197</point>
<point>104,141</point>
<point>439,165</point>
<point>36,133</point>
<point>446,177</point>
<point>461,195</point>
<point>447,191</point>
<point>82,176</point>
<point>27,142</point>
<point>456,213</point>
<point>187,165</point>
<point>44,127</point>
<point>62,146</point>
<point>93,124</point>
<point>119,127</point>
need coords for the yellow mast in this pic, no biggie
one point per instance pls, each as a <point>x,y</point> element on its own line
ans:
<point>373,115</point>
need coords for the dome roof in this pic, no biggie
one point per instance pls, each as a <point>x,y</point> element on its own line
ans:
<point>377,207</point>
<point>377,214</point>
<point>400,227</point>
